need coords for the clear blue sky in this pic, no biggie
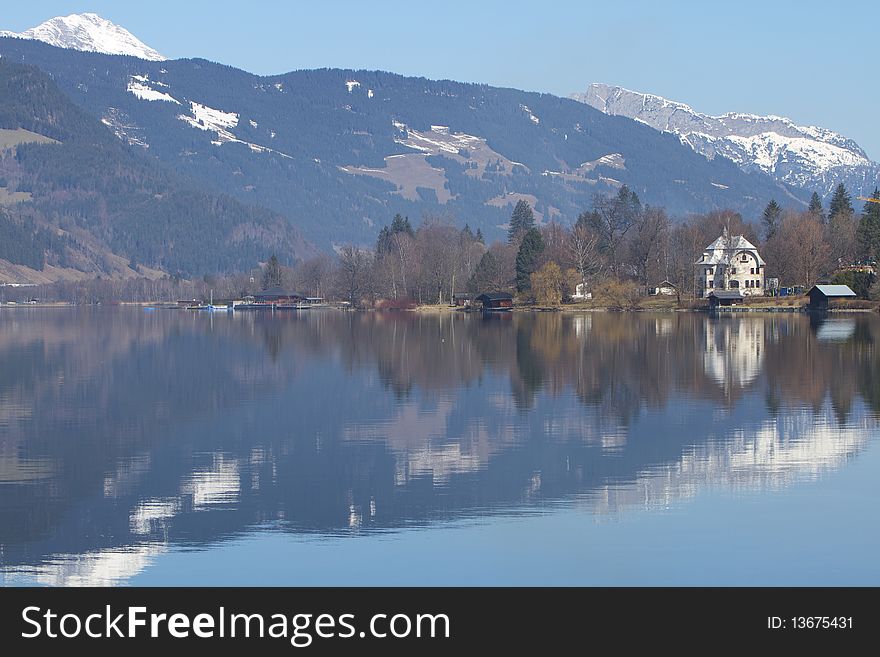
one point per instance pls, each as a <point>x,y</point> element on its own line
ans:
<point>815,62</point>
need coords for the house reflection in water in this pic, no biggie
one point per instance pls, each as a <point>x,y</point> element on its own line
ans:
<point>734,351</point>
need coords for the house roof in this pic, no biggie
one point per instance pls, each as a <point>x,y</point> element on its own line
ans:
<point>495,296</point>
<point>834,290</point>
<point>724,248</point>
<point>726,294</point>
<point>735,242</point>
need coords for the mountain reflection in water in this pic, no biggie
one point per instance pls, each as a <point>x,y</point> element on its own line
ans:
<point>124,433</point>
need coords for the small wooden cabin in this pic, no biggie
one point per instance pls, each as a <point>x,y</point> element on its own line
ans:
<point>718,298</point>
<point>822,297</point>
<point>462,299</point>
<point>496,300</point>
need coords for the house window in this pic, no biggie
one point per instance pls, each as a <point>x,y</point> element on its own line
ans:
<point>744,258</point>
<point>711,283</point>
<point>752,271</point>
<point>733,271</point>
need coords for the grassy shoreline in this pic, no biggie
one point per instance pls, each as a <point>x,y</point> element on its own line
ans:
<point>653,304</point>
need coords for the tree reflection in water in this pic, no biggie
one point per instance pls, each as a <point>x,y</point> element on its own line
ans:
<point>123,432</point>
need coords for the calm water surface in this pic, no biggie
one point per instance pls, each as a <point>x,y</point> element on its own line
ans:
<point>172,447</point>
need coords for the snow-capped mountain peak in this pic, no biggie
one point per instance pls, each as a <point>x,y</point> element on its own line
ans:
<point>90,33</point>
<point>805,156</point>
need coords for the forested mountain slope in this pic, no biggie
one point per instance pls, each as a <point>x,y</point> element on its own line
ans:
<point>74,197</point>
<point>339,152</point>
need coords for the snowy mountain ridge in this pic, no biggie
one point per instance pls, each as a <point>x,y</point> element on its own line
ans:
<point>811,157</point>
<point>89,33</point>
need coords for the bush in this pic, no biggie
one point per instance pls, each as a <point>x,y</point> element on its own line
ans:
<point>618,295</point>
<point>404,303</point>
<point>547,285</point>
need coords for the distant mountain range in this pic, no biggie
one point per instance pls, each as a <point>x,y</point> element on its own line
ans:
<point>339,152</point>
<point>333,154</point>
<point>809,157</point>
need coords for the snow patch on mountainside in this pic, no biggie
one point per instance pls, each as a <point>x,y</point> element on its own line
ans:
<point>769,150</point>
<point>90,33</point>
<point>804,156</point>
<point>220,122</point>
<point>208,118</point>
<point>139,86</point>
<point>411,172</point>
<point>585,172</point>
<point>124,128</point>
<point>534,119</point>
<point>457,146</point>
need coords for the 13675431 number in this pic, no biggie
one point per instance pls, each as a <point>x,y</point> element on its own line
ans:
<point>810,623</point>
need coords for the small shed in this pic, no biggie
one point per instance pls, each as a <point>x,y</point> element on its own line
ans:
<point>581,292</point>
<point>496,300</point>
<point>823,296</point>
<point>666,288</point>
<point>725,298</point>
<point>462,299</point>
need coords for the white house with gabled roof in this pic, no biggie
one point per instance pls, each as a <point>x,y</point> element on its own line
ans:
<point>730,263</point>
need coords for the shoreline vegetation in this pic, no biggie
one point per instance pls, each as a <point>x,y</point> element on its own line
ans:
<point>650,305</point>
<point>618,256</point>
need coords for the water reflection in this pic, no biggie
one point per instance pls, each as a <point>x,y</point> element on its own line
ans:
<point>124,434</point>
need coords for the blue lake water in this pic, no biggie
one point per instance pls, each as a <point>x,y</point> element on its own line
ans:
<point>169,447</point>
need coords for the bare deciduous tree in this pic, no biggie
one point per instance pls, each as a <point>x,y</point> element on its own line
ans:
<point>354,266</point>
<point>647,245</point>
<point>801,248</point>
<point>583,248</point>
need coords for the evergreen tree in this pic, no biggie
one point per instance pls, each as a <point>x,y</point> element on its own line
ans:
<point>479,236</point>
<point>401,225</point>
<point>771,216</point>
<point>272,275</point>
<point>816,208</point>
<point>840,202</point>
<point>627,204</point>
<point>467,233</point>
<point>383,242</point>
<point>530,250</point>
<point>521,221</point>
<point>486,275</point>
<point>869,228</point>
